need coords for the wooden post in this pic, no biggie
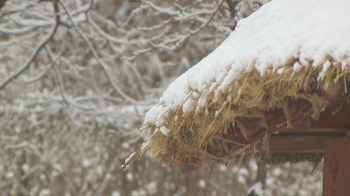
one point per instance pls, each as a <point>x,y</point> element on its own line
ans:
<point>336,170</point>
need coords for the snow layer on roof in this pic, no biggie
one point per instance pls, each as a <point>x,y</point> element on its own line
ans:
<point>280,30</point>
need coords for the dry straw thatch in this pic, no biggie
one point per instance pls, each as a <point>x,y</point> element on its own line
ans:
<point>234,110</point>
<point>194,131</point>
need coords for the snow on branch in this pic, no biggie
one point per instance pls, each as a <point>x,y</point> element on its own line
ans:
<point>36,50</point>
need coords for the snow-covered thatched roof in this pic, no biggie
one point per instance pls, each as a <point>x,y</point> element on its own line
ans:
<point>288,49</point>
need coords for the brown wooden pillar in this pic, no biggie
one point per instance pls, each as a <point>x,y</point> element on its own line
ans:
<point>336,171</point>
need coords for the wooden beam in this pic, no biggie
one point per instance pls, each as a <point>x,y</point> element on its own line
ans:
<point>275,120</point>
<point>301,141</point>
<point>338,120</point>
<point>304,136</point>
<point>313,133</point>
<point>336,169</point>
<point>297,144</point>
<point>331,132</point>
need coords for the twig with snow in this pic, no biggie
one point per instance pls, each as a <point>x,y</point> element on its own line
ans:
<point>94,53</point>
<point>36,50</point>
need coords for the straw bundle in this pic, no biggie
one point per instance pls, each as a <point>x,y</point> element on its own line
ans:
<point>228,107</point>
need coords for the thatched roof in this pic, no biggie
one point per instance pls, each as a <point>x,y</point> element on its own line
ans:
<point>289,51</point>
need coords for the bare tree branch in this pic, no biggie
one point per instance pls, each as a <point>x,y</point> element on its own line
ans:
<point>19,8</point>
<point>36,50</point>
<point>101,63</point>
<point>48,67</point>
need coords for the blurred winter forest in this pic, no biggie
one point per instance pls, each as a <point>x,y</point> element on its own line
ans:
<point>76,78</point>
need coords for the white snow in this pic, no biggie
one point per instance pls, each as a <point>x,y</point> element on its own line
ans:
<point>242,176</point>
<point>277,172</point>
<point>241,180</point>
<point>45,192</point>
<point>279,31</point>
<point>57,167</point>
<point>25,168</point>
<point>126,145</point>
<point>131,155</point>
<point>257,188</point>
<point>115,193</point>
<point>10,175</point>
<point>129,176</point>
<point>223,168</point>
<point>164,130</point>
<point>202,183</point>
<point>297,67</point>
<point>152,188</point>
<point>86,163</point>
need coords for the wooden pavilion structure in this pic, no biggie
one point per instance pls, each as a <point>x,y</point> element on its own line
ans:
<point>327,137</point>
<point>277,90</point>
